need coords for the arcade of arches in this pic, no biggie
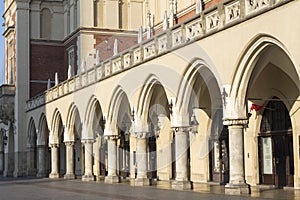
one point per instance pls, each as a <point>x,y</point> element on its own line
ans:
<point>243,135</point>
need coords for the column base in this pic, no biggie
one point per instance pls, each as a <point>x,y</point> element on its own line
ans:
<point>53,175</point>
<point>181,185</point>
<point>237,189</point>
<point>100,178</point>
<point>69,176</point>
<point>111,179</point>
<point>142,182</point>
<point>88,177</point>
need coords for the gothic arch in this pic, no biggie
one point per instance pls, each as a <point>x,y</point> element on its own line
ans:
<point>146,95</point>
<point>73,125</point>
<point>198,68</point>
<point>116,101</point>
<point>32,135</point>
<point>93,117</point>
<point>43,131</point>
<point>249,58</point>
<point>57,128</point>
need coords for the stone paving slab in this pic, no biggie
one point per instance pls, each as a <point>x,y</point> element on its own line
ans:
<point>35,189</point>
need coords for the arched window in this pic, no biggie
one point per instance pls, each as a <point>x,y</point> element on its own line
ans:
<point>46,23</point>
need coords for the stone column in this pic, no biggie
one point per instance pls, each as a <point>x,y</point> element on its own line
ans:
<point>237,183</point>
<point>54,161</point>
<point>112,176</point>
<point>182,181</point>
<point>88,160</point>
<point>70,160</point>
<point>41,161</point>
<point>141,160</point>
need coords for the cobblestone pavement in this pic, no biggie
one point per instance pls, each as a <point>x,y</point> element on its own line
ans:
<point>33,189</point>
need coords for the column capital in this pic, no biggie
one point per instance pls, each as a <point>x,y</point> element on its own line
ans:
<point>236,122</point>
<point>111,137</point>
<point>85,141</point>
<point>140,135</point>
<point>54,145</point>
<point>184,129</point>
<point>69,143</point>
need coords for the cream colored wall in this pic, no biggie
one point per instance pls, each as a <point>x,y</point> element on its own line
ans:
<point>222,55</point>
<point>199,149</point>
<point>111,15</point>
<point>164,151</point>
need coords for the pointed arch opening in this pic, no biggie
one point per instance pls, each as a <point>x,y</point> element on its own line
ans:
<point>32,149</point>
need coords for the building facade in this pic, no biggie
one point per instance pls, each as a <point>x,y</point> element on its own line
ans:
<point>207,91</point>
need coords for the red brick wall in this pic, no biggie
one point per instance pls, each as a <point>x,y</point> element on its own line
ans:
<point>45,60</point>
<point>212,3</point>
<point>105,43</point>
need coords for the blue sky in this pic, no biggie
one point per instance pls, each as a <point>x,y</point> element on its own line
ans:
<point>1,45</point>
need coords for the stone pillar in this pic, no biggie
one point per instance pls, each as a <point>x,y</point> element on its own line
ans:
<point>112,176</point>
<point>41,161</point>
<point>88,160</point>
<point>54,161</point>
<point>96,168</point>
<point>141,160</point>
<point>70,160</point>
<point>182,181</point>
<point>237,183</point>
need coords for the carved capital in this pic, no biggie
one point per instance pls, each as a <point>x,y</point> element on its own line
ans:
<point>69,143</point>
<point>111,137</point>
<point>85,141</point>
<point>54,145</point>
<point>235,122</point>
<point>181,130</point>
<point>140,135</point>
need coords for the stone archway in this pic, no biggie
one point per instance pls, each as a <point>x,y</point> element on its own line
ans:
<point>96,123</point>
<point>200,101</point>
<point>32,149</point>
<point>43,154</point>
<point>58,149</point>
<point>265,71</point>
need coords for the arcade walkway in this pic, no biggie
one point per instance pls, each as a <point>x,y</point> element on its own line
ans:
<point>33,189</point>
